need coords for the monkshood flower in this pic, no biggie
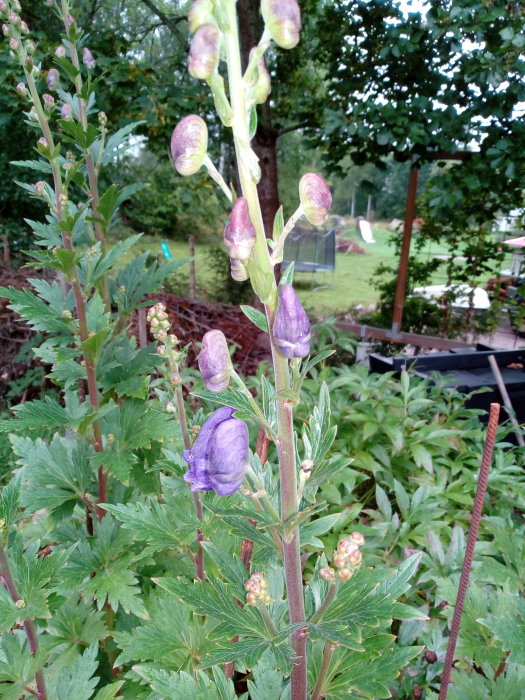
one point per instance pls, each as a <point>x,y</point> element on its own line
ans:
<point>291,328</point>
<point>214,360</point>
<point>87,58</point>
<point>53,77</point>
<point>283,20</point>
<point>315,197</point>
<point>219,458</point>
<point>66,112</point>
<point>239,233</point>
<point>201,12</point>
<point>189,143</point>
<point>204,52</point>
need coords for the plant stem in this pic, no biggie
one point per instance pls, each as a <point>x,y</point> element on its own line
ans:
<point>29,628</point>
<point>277,256</point>
<point>267,620</point>
<point>246,392</point>
<point>330,595</point>
<point>285,440</point>
<point>325,665</point>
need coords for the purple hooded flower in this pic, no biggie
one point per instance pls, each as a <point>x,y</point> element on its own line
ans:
<point>189,144</point>
<point>215,364</point>
<point>87,58</point>
<point>53,78</point>
<point>283,21</point>
<point>315,197</point>
<point>219,458</point>
<point>239,234</point>
<point>291,328</point>
<point>204,52</point>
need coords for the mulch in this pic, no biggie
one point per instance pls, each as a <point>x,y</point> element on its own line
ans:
<point>190,318</point>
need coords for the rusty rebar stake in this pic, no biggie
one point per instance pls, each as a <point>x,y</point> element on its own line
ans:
<point>486,460</point>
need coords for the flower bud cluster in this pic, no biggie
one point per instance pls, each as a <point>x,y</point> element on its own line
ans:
<point>15,29</point>
<point>257,587</point>
<point>159,323</point>
<point>347,559</point>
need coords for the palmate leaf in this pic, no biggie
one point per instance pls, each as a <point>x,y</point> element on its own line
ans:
<point>161,526</point>
<point>102,566</point>
<point>10,615</point>
<point>17,665</point>
<point>267,681</point>
<point>39,315</point>
<point>508,626</point>
<point>183,686</point>
<point>174,636</point>
<point>76,682</point>
<point>367,674</point>
<point>55,475</point>
<point>73,627</point>
<point>10,502</point>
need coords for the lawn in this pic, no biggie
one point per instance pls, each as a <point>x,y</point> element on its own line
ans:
<point>324,293</point>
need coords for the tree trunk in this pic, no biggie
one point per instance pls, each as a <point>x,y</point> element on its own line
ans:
<point>265,140</point>
<point>369,207</point>
<point>352,209</point>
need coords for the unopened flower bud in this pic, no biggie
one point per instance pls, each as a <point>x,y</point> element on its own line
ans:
<point>29,63</point>
<point>263,86</point>
<point>430,656</point>
<point>53,77</point>
<point>251,599</point>
<point>327,573</point>
<point>60,51</point>
<point>67,314</point>
<point>201,12</point>
<point>214,360</point>
<point>40,187</point>
<point>161,334</point>
<point>70,20</point>
<point>346,547</point>
<point>3,6</point>
<point>87,58</point>
<point>176,379</point>
<point>17,7</point>
<point>33,115</point>
<point>24,28</point>
<point>344,574</point>
<point>204,52</point>
<point>102,119</point>
<point>339,560</point>
<point>14,44</point>
<point>189,144</point>
<point>66,112</point>
<point>20,603</point>
<point>6,29</point>
<point>2,524</point>
<point>306,466</point>
<point>238,270</point>
<point>161,350</point>
<point>43,142</point>
<point>49,101</point>
<point>170,408</point>
<point>355,558</point>
<point>14,18</point>
<point>30,47</point>
<point>239,233</point>
<point>173,339</point>
<point>315,197</point>
<point>283,21</point>
<point>357,538</point>
<point>291,328</point>
<point>21,89</point>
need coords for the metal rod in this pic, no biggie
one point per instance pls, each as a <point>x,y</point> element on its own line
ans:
<point>402,273</point>
<point>506,400</point>
<point>486,460</point>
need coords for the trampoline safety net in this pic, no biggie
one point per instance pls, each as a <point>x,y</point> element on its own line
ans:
<point>311,251</point>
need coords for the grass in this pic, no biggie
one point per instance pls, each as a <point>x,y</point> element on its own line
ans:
<point>323,293</point>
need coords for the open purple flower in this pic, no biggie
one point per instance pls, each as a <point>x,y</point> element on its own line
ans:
<point>219,458</point>
<point>215,364</point>
<point>291,328</point>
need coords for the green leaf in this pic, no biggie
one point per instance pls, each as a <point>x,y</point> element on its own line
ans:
<point>77,682</point>
<point>256,317</point>
<point>278,223</point>
<point>179,686</point>
<point>267,681</point>
<point>10,503</point>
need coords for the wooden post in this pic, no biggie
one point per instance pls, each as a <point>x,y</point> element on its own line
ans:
<point>193,280</point>
<point>405,251</point>
<point>7,252</point>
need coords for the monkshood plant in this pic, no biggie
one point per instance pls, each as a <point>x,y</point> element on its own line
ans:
<point>145,550</point>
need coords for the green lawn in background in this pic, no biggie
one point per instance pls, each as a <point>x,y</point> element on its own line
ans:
<point>348,286</point>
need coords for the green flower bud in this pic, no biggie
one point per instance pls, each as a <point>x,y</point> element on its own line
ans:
<point>201,12</point>
<point>263,86</point>
<point>204,52</point>
<point>283,21</point>
<point>189,144</point>
<point>316,199</point>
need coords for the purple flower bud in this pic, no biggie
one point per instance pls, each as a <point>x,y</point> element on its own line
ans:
<point>70,19</point>
<point>60,51</point>
<point>21,89</point>
<point>40,187</point>
<point>214,360</point>
<point>6,29</point>
<point>204,52</point>
<point>87,58</point>
<point>219,458</point>
<point>66,112</point>
<point>291,327</point>
<point>14,44</point>
<point>201,12</point>
<point>24,28</point>
<point>283,21</point>
<point>53,77</point>
<point>263,86</point>
<point>315,197</point>
<point>48,100</point>
<point>14,18</point>
<point>43,142</point>
<point>3,6</point>
<point>239,234</point>
<point>189,144</point>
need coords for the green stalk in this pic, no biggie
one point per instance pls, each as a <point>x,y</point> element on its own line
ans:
<point>285,441</point>
<point>329,648</point>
